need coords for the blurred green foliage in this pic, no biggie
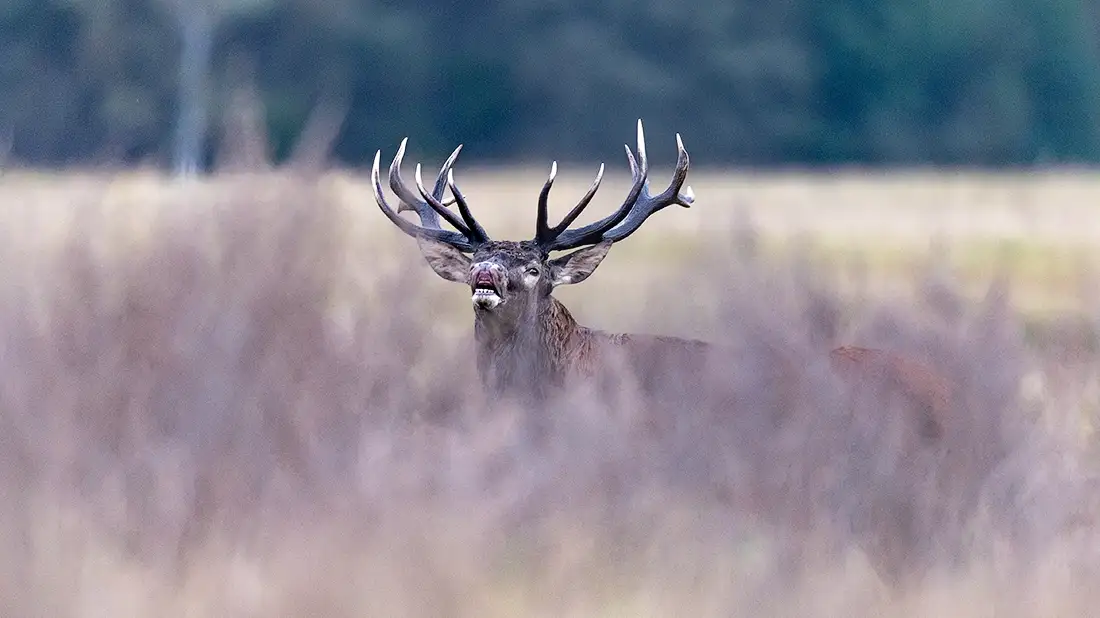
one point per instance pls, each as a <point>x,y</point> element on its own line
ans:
<point>980,82</point>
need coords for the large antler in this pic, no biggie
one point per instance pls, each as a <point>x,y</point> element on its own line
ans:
<point>470,233</point>
<point>637,207</point>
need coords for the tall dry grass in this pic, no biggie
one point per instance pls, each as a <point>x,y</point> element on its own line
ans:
<point>250,397</point>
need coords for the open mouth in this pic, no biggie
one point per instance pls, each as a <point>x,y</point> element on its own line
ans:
<point>486,295</point>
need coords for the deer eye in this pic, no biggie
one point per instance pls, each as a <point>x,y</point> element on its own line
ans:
<point>534,272</point>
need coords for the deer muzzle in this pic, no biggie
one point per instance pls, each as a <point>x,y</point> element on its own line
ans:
<point>487,285</point>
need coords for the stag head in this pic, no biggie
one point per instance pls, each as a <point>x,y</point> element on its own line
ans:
<point>511,279</point>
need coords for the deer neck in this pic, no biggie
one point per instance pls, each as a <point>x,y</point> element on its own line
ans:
<point>529,356</point>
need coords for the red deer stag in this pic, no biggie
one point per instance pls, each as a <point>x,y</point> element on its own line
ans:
<point>527,341</point>
<point>528,344</point>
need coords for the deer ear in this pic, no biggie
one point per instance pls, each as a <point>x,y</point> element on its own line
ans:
<point>577,266</point>
<point>445,260</point>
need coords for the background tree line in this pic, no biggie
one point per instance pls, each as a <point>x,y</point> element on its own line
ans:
<point>757,82</point>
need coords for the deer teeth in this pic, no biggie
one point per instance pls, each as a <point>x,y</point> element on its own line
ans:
<point>486,299</point>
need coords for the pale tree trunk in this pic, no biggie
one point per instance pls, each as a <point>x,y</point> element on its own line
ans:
<point>244,142</point>
<point>197,29</point>
<point>317,139</point>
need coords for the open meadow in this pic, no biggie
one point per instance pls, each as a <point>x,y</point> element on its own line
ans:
<point>248,395</point>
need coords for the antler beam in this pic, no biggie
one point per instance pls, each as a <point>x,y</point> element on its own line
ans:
<point>429,216</point>
<point>470,233</point>
<point>637,207</point>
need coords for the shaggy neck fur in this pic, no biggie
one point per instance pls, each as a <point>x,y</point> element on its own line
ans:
<point>531,356</point>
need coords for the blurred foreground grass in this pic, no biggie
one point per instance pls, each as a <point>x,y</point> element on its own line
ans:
<point>214,394</point>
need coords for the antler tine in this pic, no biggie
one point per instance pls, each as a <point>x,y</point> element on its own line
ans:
<point>633,163</point>
<point>438,206</point>
<point>639,204</point>
<point>428,216</point>
<point>679,177</point>
<point>543,233</point>
<point>643,161</point>
<point>441,179</point>
<point>464,209</point>
<point>438,188</point>
<point>594,232</point>
<point>546,235</point>
<point>648,204</point>
<point>581,205</point>
<point>409,200</point>
<point>454,239</point>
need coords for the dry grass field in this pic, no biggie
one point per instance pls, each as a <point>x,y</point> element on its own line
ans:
<point>249,396</point>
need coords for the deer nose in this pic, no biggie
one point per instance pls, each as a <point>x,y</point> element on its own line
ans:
<point>487,272</point>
